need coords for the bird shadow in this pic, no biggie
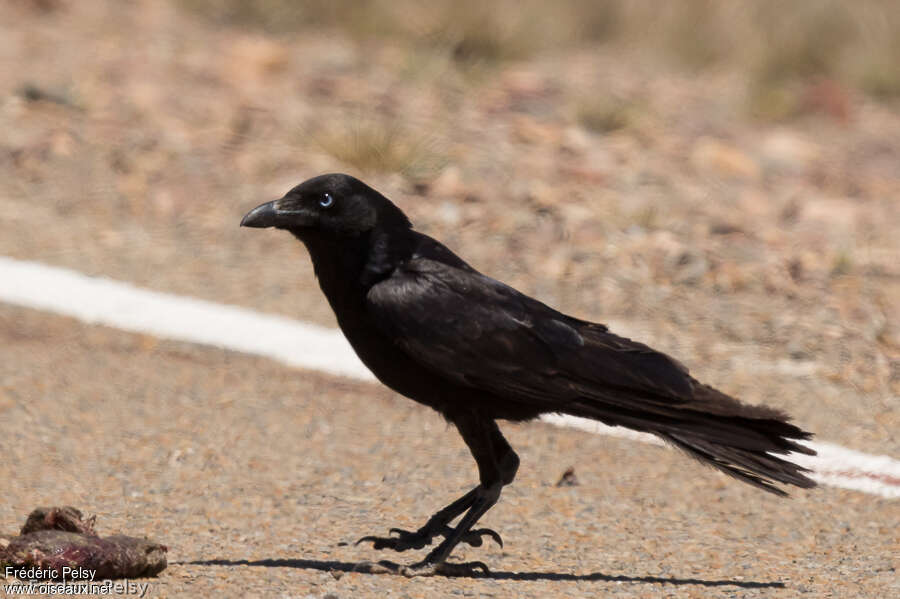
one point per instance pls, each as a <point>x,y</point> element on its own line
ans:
<point>387,567</point>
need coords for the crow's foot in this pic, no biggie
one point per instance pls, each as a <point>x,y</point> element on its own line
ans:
<point>405,539</point>
<point>446,569</point>
<point>424,568</point>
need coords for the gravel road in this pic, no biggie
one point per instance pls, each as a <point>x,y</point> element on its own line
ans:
<point>259,478</point>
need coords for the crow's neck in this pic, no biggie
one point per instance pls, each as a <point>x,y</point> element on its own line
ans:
<point>348,267</point>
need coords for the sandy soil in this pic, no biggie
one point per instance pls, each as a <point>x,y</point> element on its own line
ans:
<point>259,479</point>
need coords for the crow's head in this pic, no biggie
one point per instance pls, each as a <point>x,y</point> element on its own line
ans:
<point>333,205</point>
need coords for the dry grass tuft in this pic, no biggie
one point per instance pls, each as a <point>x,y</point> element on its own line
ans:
<point>606,114</point>
<point>381,145</point>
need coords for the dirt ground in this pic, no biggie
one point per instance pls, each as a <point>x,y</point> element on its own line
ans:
<point>763,254</point>
<point>260,478</point>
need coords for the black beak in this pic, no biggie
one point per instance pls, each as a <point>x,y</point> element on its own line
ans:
<point>260,217</point>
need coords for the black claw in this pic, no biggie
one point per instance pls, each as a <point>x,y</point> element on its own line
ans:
<point>381,542</point>
<point>400,532</point>
<point>403,541</point>
<point>473,537</point>
<point>364,539</point>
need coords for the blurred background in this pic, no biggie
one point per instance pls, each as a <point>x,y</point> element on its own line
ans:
<point>719,175</point>
<point>718,179</point>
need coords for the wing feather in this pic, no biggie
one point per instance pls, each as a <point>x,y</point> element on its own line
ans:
<point>478,332</point>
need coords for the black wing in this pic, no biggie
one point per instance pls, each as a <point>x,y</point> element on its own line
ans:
<point>481,333</point>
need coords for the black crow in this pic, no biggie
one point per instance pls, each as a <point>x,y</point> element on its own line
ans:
<point>436,330</point>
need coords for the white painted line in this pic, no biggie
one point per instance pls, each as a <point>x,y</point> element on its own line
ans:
<point>121,305</point>
<point>103,301</point>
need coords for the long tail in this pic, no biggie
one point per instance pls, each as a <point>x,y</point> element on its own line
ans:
<point>742,441</point>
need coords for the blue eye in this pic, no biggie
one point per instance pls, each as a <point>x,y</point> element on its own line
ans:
<point>327,201</point>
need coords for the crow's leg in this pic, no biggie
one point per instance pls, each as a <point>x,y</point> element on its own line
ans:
<point>497,466</point>
<point>435,562</point>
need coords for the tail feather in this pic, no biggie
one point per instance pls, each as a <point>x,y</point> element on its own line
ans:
<point>757,469</point>
<point>741,440</point>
